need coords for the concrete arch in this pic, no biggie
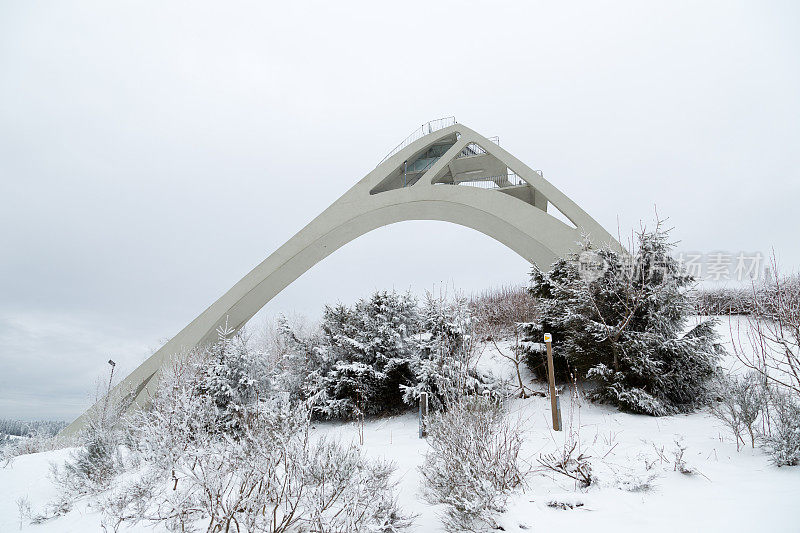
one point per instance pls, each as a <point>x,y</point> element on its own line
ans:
<point>508,204</point>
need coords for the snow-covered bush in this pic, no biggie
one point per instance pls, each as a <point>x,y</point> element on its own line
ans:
<point>92,466</point>
<point>473,462</point>
<point>5,440</point>
<point>444,364</point>
<point>768,413</point>
<point>635,476</point>
<point>40,440</point>
<point>626,328</point>
<point>301,362</point>
<point>357,363</point>
<point>97,460</point>
<point>272,477</point>
<point>21,437</point>
<point>213,453</point>
<point>178,417</point>
<point>782,440</point>
<point>94,463</point>
<point>741,401</point>
<point>771,350</point>
<point>371,346</point>
<point>232,375</point>
<point>379,355</point>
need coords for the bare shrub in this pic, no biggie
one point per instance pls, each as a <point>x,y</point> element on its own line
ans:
<point>515,354</point>
<point>782,441</point>
<point>269,475</point>
<point>722,301</point>
<point>570,463</point>
<point>770,345</point>
<point>675,457</point>
<point>498,311</point>
<point>636,477</point>
<point>768,413</point>
<point>742,400</point>
<point>23,510</point>
<point>95,462</point>
<point>473,462</point>
<point>570,460</point>
<point>273,478</point>
<point>679,463</point>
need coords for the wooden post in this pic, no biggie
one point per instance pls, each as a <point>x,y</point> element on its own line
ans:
<point>551,378</point>
<point>423,413</point>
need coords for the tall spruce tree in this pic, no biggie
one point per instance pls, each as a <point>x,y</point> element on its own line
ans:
<point>627,330</point>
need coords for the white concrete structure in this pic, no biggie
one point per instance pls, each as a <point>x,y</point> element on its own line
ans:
<point>445,171</point>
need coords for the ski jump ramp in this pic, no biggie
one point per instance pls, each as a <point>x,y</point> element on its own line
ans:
<point>443,171</point>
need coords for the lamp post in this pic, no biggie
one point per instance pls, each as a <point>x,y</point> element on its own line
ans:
<point>108,391</point>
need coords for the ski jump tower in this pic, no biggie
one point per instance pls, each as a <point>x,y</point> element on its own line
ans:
<point>443,171</point>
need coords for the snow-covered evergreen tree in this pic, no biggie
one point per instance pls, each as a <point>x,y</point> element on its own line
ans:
<point>444,365</point>
<point>626,329</point>
<point>300,369</point>
<point>231,377</point>
<point>372,345</point>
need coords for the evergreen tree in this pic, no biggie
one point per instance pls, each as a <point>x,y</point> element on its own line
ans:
<point>443,366</point>
<point>372,345</point>
<point>626,329</point>
<point>231,377</point>
<point>300,371</point>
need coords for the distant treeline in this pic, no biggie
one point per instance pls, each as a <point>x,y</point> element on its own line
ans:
<point>724,301</point>
<point>27,428</point>
<point>763,300</point>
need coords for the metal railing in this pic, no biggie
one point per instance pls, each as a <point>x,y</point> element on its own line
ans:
<point>428,127</point>
<point>494,182</point>
<point>470,150</point>
<point>473,149</point>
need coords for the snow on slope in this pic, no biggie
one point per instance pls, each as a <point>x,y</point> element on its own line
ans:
<point>733,491</point>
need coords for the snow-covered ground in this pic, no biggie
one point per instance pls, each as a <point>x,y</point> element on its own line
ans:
<point>730,491</point>
<point>733,491</point>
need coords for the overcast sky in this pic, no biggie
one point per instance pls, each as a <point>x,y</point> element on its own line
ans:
<point>152,153</point>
